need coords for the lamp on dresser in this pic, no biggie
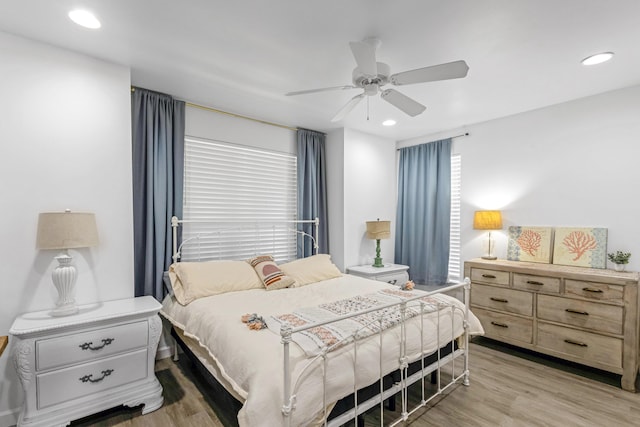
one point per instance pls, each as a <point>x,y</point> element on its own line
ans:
<point>488,220</point>
<point>377,230</point>
<point>66,230</point>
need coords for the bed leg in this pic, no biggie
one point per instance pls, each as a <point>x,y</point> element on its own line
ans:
<point>465,379</point>
<point>434,377</point>
<point>391,403</point>
<point>175,351</point>
<point>360,421</point>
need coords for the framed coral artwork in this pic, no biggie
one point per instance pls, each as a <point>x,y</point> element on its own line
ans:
<point>582,247</point>
<point>531,244</point>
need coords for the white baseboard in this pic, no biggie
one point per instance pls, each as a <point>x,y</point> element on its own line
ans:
<point>9,418</point>
<point>164,352</point>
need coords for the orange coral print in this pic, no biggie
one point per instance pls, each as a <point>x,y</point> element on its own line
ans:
<point>578,242</point>
<point>529,242</point>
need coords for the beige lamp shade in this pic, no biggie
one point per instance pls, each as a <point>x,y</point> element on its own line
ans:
<point>378,229</point>
<point>487,220</point>
<point>66,230</point>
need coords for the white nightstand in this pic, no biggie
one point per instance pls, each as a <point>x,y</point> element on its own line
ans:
<point>395,274</point>
<point>101,357</point>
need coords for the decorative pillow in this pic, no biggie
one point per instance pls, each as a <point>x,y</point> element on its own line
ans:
<point>193,280</point>
<point>269,272</point>
<point>311,269</point>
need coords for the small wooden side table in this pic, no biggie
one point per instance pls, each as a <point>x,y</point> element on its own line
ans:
<point>3,343</point>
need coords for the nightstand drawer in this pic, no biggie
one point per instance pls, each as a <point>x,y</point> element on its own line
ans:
<point>501,299</point>
<point>90,378</point>
<point>527,282</point>
<point>585,314</point>
<point>505,326</point>
<point>581,346</point>
<point>76,348</point>
<point>397,279</point>
<point>490,276</point>
<point>594,290</point>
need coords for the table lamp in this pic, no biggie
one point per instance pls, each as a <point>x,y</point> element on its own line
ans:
<point>378,230</point>
<point>66,230</point>
<point>488,220</point>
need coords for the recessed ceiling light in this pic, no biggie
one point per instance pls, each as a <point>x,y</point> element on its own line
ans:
<point>389,122</point>
<point>85,19</point>
<point>598,58</point>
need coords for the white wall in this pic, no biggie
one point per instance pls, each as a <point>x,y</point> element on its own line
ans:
<point>66,143</point>
<point>225,128</point>
<point>572,164</point>
<point>366,192</point>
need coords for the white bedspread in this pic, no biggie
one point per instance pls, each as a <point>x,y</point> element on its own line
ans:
<point>251,361</point>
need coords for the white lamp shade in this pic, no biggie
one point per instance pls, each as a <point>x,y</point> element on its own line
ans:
<point>66,230</point>
<point>378,229</point>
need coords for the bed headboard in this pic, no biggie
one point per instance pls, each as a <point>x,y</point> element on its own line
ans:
<point>236,239</point>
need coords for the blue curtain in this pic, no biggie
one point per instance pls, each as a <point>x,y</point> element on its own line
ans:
<point>157,122</point>
<point>312,188</point>
<point>424,210</point>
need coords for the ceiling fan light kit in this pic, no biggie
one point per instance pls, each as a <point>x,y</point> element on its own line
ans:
<point>371,76</point>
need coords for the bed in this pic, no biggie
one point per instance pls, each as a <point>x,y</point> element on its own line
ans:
<point>327,338</point>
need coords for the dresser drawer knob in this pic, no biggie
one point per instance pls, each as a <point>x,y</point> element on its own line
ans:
<point>489,276</point>
<point>578,343</point>
<point>498,299</point>
<point>89,345</point>
<point>89,378</point>
<point>500,325</point>
<point>533,282</point>
<point>596,291</point>
<point>569,310</point>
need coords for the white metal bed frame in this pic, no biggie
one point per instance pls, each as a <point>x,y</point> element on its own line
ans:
<point>291,388</point>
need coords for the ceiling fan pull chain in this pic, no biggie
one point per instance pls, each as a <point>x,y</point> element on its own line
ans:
<point>367,108</point>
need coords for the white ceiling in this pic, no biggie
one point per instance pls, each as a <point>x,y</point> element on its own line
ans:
<point>242,56</point>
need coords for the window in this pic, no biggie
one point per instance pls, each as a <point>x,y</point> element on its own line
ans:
<point>229,183</point>
<point>454,233</point>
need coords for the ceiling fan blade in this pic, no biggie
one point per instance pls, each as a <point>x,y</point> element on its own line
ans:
<point>450,70</point>
<point>347,108</point>
<point>365,55</point>
<point>323,89</point>
<point>402,102</point>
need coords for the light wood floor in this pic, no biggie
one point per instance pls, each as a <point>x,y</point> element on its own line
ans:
<point>507,389</point>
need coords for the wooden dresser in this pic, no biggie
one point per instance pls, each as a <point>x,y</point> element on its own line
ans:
<point>588,316</point>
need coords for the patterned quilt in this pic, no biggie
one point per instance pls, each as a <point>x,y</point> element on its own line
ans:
<point>341,332</point>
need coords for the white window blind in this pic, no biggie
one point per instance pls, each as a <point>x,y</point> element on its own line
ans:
<point>231,184</point>
<point>454,233</point>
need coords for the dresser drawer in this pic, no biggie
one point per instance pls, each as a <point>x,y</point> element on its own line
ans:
<point>594,290</point>
<point>584,347</point>
<point>585,314</point>
<point>397,279</point>
<point>490,276</point>
<point>81,347</point>
<point>502,326</point>
<point>528,282</point>
<point>497,298</point>
<point>67,384</point>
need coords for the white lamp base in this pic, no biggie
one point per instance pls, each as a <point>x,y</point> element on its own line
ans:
<point>64,279</point>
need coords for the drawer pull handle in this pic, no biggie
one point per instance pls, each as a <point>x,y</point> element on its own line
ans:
<point>88,378</point>
<point>89,345</point>
<point>498,299</point>
<point>489,276</point>
<point>393,282</point>
<point>533,282</point>
<point>500,325</point>
<point>578,343</point>
<point>597,291</point>
<point>569,310</point>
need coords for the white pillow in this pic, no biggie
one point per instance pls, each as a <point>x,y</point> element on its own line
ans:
<point>193,280</point>
<point>311,269</point>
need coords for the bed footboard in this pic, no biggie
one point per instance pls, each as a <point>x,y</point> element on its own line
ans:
<point>409,369</point>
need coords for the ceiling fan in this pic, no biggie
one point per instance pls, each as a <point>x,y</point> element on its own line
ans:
<point>371,76</point>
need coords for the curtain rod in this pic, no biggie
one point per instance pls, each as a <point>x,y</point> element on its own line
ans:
<point>239,116</point>
<point>452,137</point>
